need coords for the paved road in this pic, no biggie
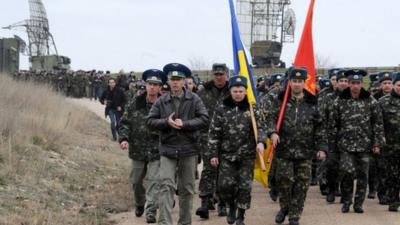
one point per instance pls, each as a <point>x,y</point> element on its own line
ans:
<point>263,210</point>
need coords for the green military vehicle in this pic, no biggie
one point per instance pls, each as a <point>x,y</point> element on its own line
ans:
<point>49,62</point>
<point>267,54</point>
<point>9,54</point>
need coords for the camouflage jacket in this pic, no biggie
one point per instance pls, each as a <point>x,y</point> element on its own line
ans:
<point>356,123</point>
<point>390,105</point>
<point>143,143</point>
<point>325,104</point>
<point>325,92</point>
<point>302,133</point>
<point>231,135</point>
<point>211,96</point>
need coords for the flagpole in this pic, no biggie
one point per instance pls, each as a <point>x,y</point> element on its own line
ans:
<point>279,122</point>
<point>255,131</point>
<point>305,58</point>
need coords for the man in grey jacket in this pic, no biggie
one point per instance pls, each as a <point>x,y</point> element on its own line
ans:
<point>179,116</point>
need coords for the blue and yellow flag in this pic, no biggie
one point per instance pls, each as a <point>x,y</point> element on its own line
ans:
<point>242,66</point>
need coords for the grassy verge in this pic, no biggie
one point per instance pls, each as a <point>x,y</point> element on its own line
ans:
<point>57,165</point>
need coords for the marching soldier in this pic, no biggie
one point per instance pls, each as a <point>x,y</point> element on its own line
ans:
<point>233,149</point>
<point>179,116</point>
<point>212,93</point>
<point>390,105</point>
<point>301,136</point>
<point>377,169</point>
<point>385,85</point>
<point>143,146</point>
<point>332,161</point>
<point>356,121</point>
<point>274,88</point>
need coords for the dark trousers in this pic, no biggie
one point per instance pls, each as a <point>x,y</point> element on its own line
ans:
<point>393,180</point>
<point>115,117</point>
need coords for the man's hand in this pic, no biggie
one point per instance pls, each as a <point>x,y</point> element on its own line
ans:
<point>275,139</point>
<point>214,162</point>
<point>173,123</point>
<point>119,108</point>
<point>376,150</point>
<point>179,123</point>
<point>124,145</point>
<point>260,148</point>
<point>321,155</point>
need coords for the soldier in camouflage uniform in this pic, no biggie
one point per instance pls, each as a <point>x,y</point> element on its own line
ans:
<point>212,93</point>
<point>301,137</point>
<point>390,105</point>
<point>377,169</point>
<point>233,149</point>
<point>331,164</point>
<point>274,88</point>
<point>320,173</point>
<point>143,146</point>
<point>356,121</point>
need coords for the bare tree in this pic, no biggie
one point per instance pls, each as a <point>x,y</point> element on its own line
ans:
<point>198,63</point>
<point>322,61</point>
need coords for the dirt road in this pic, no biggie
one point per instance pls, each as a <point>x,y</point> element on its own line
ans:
<point>263,210</point>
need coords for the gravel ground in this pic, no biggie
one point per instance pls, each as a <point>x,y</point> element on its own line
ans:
<point>263,210</point>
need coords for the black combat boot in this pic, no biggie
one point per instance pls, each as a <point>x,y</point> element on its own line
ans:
<point>330,197</point>
<point>221,208</point>
<point>211,203</point>
<point>273,193</point>
<point>393,207</point>
<point>139,211</point>
<point>231,217</point>
<point>294,221</point>
<point>346,207</point>
<point>371,195</point>
<point>203,210</point>
<point>240,217</point>
<point>382,199</point>
<point>280,216</point>
<point>151,218</point>
<point>358,209</point>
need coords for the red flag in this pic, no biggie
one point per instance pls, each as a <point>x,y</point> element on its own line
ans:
<point>305,52</point>
<point>304,58</point>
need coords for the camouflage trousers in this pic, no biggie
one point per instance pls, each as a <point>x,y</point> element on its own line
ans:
<point>235,182</point>
<point>377,175</point>
<point>209,176</point>
<point>145,196</point>
<point>393,180</point>
<point>293,178</point>
<point>332,168</point>
<point>354,166</point>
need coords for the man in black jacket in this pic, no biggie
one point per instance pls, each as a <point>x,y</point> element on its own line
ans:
<point>114,99</point>
<point>178,116</point>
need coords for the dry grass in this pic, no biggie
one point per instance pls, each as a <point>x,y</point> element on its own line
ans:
<point>57,165</point>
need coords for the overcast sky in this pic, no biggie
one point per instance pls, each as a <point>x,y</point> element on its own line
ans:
<point>141,34</point>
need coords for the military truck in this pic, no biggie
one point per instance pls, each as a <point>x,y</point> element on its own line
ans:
<point>267,54</point>
<point>49,62</point>
<point>9,55</point>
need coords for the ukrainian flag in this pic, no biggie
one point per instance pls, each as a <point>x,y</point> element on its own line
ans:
<point>242,66</point>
